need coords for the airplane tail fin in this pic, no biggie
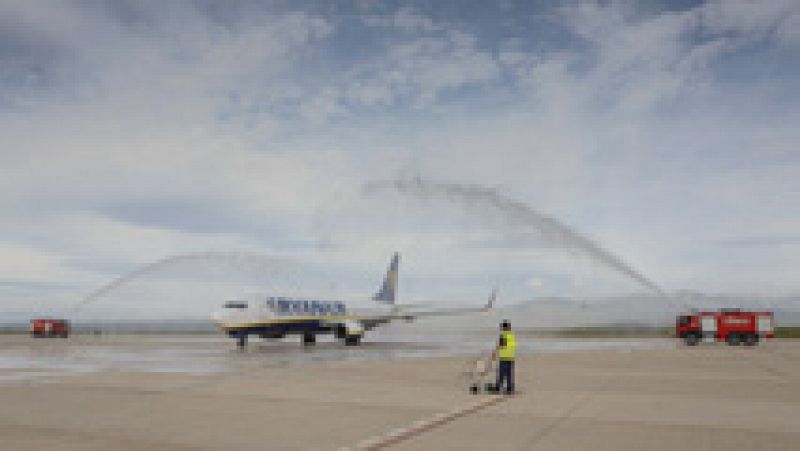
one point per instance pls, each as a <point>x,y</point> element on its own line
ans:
<point>388,292</point>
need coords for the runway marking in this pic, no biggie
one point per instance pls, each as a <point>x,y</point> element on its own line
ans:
<point>418,427</point>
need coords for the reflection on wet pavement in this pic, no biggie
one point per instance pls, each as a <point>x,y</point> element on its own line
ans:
<point>24,358</point>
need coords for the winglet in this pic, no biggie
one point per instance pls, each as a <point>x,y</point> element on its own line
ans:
<point>492,298</point>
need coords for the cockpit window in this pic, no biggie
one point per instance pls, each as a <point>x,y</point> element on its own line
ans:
<point>236,304</point>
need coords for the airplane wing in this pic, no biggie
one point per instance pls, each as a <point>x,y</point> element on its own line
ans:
<point>411,312</point>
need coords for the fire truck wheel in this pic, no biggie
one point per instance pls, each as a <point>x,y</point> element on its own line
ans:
<point>734,340</point>
<point>692,339</point>
<point>750,340</point>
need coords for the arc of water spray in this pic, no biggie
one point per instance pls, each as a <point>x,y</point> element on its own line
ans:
<point>234,258</point>
<point>550,227</point>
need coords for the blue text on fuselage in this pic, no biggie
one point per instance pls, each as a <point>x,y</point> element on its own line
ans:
<point>288,306</point>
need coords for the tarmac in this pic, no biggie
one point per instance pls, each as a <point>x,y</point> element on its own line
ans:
<point>712,397</point>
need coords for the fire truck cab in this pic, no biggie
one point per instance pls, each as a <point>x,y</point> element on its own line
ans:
<point>732,326</point>
<point>50,328</point>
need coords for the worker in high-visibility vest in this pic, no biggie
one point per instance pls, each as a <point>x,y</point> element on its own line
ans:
<point>505,353</point>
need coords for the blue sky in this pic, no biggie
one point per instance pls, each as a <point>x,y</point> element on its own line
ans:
<point>667,132</point>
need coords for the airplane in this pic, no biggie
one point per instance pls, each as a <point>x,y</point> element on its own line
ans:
<point>277,316</point>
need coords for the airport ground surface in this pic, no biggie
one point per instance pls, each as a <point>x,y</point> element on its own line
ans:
<point>658,398</point>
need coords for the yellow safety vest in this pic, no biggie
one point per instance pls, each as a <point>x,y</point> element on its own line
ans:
<point>507,352</point>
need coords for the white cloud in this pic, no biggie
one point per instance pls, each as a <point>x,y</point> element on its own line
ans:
<point>535,282</point>
<point>405,19</point>
<point>752,20</point>
<point>420,70</point>
<point>173,131</point>
<point>29,264</point>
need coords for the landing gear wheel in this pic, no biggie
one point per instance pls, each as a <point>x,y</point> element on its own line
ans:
<point>241,340</point>
<point>352,340</point>
<point>309,339</point>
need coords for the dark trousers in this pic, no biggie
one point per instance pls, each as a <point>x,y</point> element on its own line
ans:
<point>505,372</point>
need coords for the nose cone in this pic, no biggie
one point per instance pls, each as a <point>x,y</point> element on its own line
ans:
<point>226,314</point>
<point>236,312</point>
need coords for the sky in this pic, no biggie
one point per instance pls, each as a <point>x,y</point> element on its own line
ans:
<point>241,136</point>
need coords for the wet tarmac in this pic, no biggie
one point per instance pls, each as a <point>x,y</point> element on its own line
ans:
<point>24,358</point>
<point>618,394</point>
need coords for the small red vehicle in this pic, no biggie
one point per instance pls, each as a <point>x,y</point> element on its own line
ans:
<point>732,326</point>
<point>50,328</point>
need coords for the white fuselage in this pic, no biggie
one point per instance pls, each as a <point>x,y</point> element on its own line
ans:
<point>261,311</point>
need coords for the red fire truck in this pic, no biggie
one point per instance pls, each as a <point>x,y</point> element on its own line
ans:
<point>50,328</point>
<point>732,326</point>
